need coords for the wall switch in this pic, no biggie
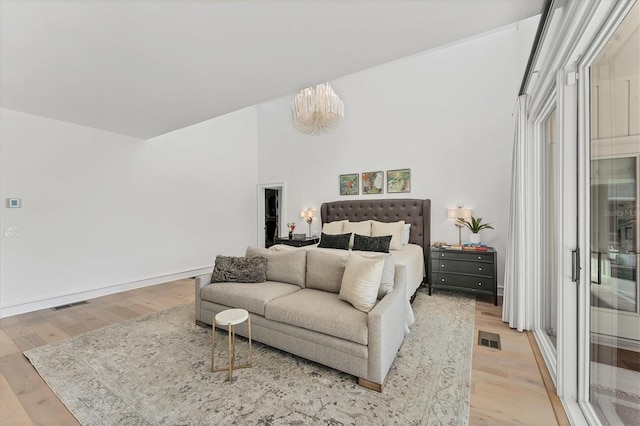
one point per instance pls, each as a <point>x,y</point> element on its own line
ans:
<point>14,203</point>
<point>11,231</point>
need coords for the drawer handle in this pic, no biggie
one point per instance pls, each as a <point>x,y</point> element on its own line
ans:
<point>443,266</point>
<point>442,255</point>
<point>479,283</point>
<point>479,257</point>
<point>479,269</point>
<point>442,279</point>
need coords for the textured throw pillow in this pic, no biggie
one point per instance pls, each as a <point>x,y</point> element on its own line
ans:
<point>288,266</point>
<point>392,228</point>
<point>340,241</point>
<point>361,281</point>
<point>361,228</point>
<point>388,272</point>
<point>380,244</point>
<point>334,228</point>
<point>231,269</point>
<point>406,233</point>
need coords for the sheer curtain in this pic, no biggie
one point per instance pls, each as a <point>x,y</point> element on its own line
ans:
<point>517,306</point>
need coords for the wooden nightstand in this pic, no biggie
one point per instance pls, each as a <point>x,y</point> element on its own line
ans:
<point>472,271</point>
<point>297,243</point>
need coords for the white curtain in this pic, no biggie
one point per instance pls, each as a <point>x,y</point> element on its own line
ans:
<point>517,307</point>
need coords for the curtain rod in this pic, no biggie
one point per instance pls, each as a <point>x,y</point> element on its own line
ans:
<point>535,49</point>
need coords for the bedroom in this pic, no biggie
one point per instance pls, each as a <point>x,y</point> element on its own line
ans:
<point>143,210</point>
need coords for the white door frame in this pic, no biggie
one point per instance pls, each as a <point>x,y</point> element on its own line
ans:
<point>280,186</point>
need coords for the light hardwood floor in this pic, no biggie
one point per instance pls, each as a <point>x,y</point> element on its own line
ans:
<point>506,385</point>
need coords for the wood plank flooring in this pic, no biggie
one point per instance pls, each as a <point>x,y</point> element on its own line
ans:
<point>506,385</point>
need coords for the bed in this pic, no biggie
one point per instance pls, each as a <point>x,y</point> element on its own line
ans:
<point>414,211</point>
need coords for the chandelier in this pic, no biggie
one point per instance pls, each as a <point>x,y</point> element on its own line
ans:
<point>317,108</point>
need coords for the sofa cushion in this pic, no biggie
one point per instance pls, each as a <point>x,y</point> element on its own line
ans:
<point>252,297</point>
<point>325,269</point>
<point>240,269</point>
<point>320,311</point>
<point>361,281</point>
<point>288,266</point>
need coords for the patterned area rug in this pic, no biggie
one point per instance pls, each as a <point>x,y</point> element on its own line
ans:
<point>155,370</point>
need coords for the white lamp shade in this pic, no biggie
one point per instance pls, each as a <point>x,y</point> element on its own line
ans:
<point>308,214</point>
<point>459,213</point>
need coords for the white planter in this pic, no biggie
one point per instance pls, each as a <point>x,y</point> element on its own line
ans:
<point>474,238</point>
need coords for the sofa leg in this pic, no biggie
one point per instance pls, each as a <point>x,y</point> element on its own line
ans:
<point>202,324</point>
<point>371,385</point>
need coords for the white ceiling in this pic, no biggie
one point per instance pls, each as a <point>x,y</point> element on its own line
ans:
<point>146,67</point>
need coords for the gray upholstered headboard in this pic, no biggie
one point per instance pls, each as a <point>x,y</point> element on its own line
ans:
<point>415,211</point>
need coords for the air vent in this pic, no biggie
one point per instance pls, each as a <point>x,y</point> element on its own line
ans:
<point>491,340</point>
<point>70,305</point>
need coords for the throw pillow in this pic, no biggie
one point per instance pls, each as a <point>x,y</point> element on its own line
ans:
<point>362,228</point>
<point>392,228</point>
<point>334,228</point>
<point>340,241</point>
<point>361,281</point>
<point>388,272</point>
<point>380,244</point>
<point>231,269</point>
<point>406,233</point>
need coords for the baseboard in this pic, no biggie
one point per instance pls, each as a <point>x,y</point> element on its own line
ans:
<point>21,308</point>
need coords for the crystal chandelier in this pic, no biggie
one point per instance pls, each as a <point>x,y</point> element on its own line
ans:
<point>317,108</point>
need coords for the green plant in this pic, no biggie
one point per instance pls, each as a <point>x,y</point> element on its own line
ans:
<point>475,225</point>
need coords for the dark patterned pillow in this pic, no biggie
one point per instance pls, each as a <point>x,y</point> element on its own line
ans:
<point>230,269</point>
<point>338,241</point>
<point>364,243</point>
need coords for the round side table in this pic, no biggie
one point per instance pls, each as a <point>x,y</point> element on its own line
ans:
<point>230,318</point>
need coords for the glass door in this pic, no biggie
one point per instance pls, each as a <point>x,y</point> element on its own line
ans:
<point>614,317</point>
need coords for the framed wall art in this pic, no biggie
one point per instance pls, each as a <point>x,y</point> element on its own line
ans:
<point>349,184</point>
<point>398,181</point>
<point>372,182</point>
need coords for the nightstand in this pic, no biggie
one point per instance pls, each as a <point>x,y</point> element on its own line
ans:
<point>297,243</point>
<point>472,271</point>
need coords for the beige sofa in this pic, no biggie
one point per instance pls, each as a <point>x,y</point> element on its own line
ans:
<point>298,310</point>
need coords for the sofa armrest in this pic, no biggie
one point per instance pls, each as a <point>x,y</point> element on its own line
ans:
<point>201,281</point>
<point>386,322</point>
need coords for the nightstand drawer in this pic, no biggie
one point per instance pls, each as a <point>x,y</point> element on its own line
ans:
<point>465,281</point>
<point>476,268</point>
<point>466,256</point>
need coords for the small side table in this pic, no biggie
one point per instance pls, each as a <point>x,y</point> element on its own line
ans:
<point>230,318</point>
<point>297,243</point>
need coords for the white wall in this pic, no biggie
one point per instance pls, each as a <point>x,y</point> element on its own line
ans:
<point>102,212</point>
<point>445,114</point>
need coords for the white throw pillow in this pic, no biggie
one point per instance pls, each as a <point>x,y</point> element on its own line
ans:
<point>361,281</point>
<point>361,228</point>
<point>333,228</point>
<point>406,233</point>
<point>388,272</point>
<point>378,229</point>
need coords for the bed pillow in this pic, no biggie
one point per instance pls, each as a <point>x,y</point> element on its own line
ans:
<point>288,266</point>
<point>334,228</point>
<point>406,233</point>
<point>361,281</point>
<point>231,269</point>
<point>361,228</point>
<point>392,228</point>
<point>388,272</point>
<point>340,241</point>
<point>379,244</point>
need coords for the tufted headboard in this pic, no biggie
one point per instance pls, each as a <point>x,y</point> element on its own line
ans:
<point>415,211</point>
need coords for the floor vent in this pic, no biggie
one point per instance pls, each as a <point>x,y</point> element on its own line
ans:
<point>491,340</point>
<point>70,305</point>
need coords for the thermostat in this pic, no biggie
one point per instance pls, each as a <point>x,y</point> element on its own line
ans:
<point>13,203</point>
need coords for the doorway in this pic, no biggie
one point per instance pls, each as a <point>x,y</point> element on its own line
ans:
<point>271,205</point>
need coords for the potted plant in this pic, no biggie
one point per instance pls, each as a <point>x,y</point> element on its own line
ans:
<point>475,226</point>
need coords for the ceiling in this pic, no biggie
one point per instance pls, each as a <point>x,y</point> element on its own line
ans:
<point>147,67</point>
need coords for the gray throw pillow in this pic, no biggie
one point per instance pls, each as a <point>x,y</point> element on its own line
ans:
<point>231,269</point>
<point>338,241</point>
<point>379,244</point>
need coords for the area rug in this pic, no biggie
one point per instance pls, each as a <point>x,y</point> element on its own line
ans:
<point>155,370</point>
